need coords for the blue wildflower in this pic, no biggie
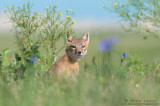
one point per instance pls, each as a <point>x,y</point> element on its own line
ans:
<point>113,40</point>
<point>125,55</point>
<point>48,75</point>
<point>33,60</point>
<point>106,45</point>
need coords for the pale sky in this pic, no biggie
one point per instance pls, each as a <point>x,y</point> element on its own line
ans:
<point>87,13</point>
<point>83,9</point>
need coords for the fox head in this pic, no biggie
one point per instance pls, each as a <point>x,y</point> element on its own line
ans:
<point>77,48</point>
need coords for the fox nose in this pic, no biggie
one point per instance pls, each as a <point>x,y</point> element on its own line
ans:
<point>79,52</point>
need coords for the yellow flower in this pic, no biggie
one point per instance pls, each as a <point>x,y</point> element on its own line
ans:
<point>7,6</point>
<point>67,16</point>
<point>33,17</point>
<point>151,20</point>
<point>39,15</point>
<point>24,4</point>
<point>69,10</point>
<point>47,8</point>
<point>103,5</point>
<point>138,16</point>
<point>45,15</point>
<point>56,23</point>
<point>19,7</point>
<point>137,85</point>
<point>152,12</point>
<point>115,4</point>
<point>13,6</point>
<point>52,15</point>
<point>73,22</point>
<point>60,14</point>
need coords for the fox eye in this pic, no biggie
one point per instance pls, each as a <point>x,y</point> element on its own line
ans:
<point>83,46</point>
<point>72,46</point>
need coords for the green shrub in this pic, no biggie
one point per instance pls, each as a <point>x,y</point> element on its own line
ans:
<point>141,16</point>
<point>36,36</point>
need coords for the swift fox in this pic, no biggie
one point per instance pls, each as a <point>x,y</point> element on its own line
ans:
<point>76,49</point>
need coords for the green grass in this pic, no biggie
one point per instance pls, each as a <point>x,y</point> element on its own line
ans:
<point>97,84</point>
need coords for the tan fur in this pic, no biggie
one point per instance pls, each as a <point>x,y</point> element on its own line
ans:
<point>68,64</point>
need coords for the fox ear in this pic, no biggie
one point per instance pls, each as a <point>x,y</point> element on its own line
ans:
<point>86,37</point>
<point>69,38</point>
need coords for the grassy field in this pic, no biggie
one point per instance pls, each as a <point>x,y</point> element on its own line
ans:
<point>136,80</point>
<point>148,50</point>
